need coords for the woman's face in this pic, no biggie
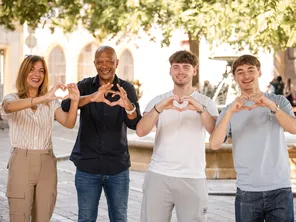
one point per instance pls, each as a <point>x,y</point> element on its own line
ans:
<point>36,75</point>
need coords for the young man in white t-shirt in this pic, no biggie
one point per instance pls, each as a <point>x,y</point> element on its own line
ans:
<point>176,175</point>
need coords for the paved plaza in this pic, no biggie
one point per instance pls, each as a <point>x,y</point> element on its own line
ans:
<point>221,199</point>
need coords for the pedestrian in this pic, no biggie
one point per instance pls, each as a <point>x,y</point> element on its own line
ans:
<point>278,85</point>
<point>108,105</point>
<point>207,89</point>
<point>257,122</point>
<point>32,170</point>
<point>176,175</point>
<point>289,91</point>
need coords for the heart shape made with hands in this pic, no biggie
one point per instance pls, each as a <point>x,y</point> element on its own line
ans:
<point>61,93</point>
<point>181,105</point>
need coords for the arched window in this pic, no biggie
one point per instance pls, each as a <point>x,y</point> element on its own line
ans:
<point>57,66</point>
<point>86,67</point>
<point>126,66</point>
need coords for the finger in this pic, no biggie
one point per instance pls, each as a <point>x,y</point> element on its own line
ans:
<point>244,108</point>
<point>244,97</point>
<point>107,102</point>
<point>186,108</point>
<point>240,101</point>
<point>122,91</point>
<point>106,86</point>
<point>66,97</point>
<point>114,103</point>
<point>174,97</point>
<point>189,100</point>
<point>69,85</point>
<point>175,108</point>
<point>253,106</point>
<point>186,97</point>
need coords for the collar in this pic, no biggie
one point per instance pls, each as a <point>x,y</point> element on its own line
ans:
<point>96,81</point>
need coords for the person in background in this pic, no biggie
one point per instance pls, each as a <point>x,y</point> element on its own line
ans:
<point>289,91</point>
<point>207,89</point>
<point>278,85</point>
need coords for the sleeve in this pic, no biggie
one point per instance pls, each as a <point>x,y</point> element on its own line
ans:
<point>212,108</point>
<point>132,96</point>
<point>67,102</point>
<point>284,104</point>
<point>56,104</point>
<point>10,97</point>
<point>220,117</point>
<point>152,103</point>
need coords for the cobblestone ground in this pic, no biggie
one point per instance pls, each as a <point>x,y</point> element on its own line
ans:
<point>221,207</point>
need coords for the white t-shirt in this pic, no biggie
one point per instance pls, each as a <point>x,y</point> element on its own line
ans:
<point>179,148</point>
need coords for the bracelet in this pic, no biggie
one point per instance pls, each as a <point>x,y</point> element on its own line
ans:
<point>277,108</point>
<point>204,108</point>
<point>32,101</point>
<point>131,111</point>
<point>156,109</point>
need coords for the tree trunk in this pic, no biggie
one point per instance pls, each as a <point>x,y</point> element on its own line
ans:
<point>194,48</point>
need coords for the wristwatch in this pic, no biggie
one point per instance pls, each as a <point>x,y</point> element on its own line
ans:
<point>131,111</point>
<point>204,108</point>
<point>277,108</point>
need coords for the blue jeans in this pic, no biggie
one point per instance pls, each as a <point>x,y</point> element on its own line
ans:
<point>89,188</point>
<point>271,206</point>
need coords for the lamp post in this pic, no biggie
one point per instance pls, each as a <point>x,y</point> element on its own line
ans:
<point>31,40</point>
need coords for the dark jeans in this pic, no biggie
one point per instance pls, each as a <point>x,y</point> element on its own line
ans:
<point>89,188</point>
<point>271,206</point>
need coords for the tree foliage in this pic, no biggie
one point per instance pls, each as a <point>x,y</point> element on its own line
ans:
<point>252,24</point>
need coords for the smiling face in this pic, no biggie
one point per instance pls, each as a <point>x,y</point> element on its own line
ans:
<point>106,63</point>
<point>182,73</point>
<point>247,77</point>
<point>32,79</point>
<point>36,75</point>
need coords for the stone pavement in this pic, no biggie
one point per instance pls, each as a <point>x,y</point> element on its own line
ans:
<point>221,199</point>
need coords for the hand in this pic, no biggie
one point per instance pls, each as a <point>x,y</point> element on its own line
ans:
<point>50,95</point>
<point>123,99</point>
<point>261,101</point>
<point>74,93</point>
<point>192,104</point>
<point>99,96</point>
<point>168,103</point>
<point>238,104</point>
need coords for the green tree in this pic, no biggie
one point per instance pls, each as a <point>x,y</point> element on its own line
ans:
<point>245,24</point>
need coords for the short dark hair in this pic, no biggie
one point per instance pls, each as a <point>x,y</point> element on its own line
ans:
<point>183,56</point>
<point>245,60</point>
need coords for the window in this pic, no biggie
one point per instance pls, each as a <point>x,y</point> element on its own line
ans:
<point>126,66</point>
<point>86,67</point>
<point>57,66</point>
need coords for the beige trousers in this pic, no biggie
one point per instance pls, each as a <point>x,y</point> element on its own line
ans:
<point>32,185</point>
<point>162,193</point>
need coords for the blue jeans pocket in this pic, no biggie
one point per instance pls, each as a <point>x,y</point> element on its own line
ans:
<point>240,192</point>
